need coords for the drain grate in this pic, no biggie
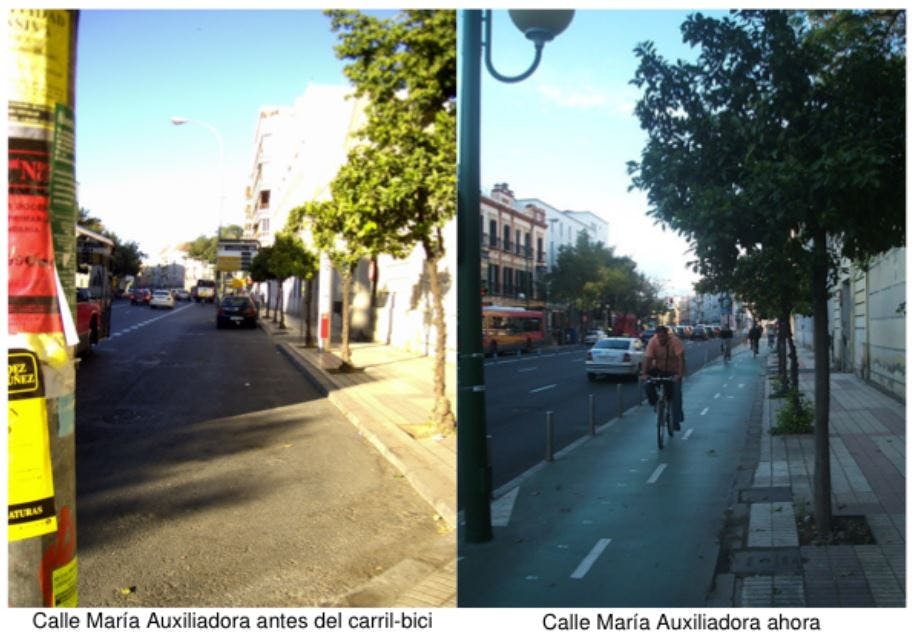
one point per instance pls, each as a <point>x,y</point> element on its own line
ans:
<point>767,561</point>
<point>759,495</point>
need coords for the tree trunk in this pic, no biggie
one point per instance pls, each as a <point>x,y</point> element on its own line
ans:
<point>372,314</point>
<point>278,294</point>
<point>269,299</point>
<point>306,315</point>
<point>794,390</point>
<point>345,354</point>
<point>280,303</point>
<point>783,322</point>
<point>822,478</point>
<point>442,415</point>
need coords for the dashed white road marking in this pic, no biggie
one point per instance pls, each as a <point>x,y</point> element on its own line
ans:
<point>741,385</point>
<point>704,411</point>
<point>656,474</point>
<point>543,388</point>
<point>716,395</point>
<point>687,434</point>
<point>591,558</point>
<point>527,369</point>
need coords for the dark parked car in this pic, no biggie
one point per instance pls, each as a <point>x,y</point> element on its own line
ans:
<point>236,310</point>
<point>140,296</point>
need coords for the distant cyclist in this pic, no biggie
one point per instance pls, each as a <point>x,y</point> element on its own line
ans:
<point>755,334</point>
<point>665,357</point>
<point>726,341</point>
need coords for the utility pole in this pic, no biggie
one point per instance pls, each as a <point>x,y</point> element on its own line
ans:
<point>42,211</point>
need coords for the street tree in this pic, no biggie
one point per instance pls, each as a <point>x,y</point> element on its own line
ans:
<point>203,248</point>
<point>261,271</point>
<point>783,127</point>
<point>287,258</point>
<point>399,183</point>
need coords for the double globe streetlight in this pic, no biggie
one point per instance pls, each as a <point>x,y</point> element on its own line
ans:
<point>474,473</point>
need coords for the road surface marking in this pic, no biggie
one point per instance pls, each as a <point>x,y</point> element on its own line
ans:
<point>716,395</point>
<point>590,559</point>
<point>741,385</point>
<point>502,508</point>
<point>656,474</point>
<point>688,434</point>
<point>527,369</point>
<point>543,388</point>
<point>705,411</point>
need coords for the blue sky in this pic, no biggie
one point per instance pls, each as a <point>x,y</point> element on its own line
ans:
<point>565,134</point>
<point>157,183</point>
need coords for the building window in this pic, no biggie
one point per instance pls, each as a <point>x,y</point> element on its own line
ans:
<point>264,199</point>
<point>265,226</point>
<point>493,233</point>
<point>539,249</point>
<point>507,235</point>
<point>509,277</point>
<point>517,243</point>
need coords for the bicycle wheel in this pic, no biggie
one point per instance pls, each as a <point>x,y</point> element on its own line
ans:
<point>661,415</point>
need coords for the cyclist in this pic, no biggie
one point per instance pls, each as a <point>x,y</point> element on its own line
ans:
<point>726,341</point>
<point>755,333</point>
<point>665,357</point>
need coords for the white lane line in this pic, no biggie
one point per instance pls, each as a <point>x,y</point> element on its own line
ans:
<point>704,411</point>
<point>543,388</point>
<point>502,508</point>
<point>527,369</point>
<point>741,385</point>
<point>580,360</point>
<point>656,474</point>
<point>688,434</point>
<point>590,559</point>
<point>716,395</point>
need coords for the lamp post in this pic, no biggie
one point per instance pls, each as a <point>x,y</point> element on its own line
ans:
<point>474,473</point>
<point>180,121</point>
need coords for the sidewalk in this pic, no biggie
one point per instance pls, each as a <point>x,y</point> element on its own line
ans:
<point>392,389</point>
<point>867,446</point>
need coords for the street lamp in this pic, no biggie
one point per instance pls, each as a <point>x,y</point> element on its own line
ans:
<point>180,121</point>
<point>474,473</point>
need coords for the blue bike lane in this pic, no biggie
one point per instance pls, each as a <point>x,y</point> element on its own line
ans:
<point>614,521</point>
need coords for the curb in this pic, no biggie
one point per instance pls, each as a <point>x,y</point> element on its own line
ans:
<point>395,445</point>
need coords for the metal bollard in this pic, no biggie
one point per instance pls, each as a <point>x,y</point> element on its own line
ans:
<point>592,415</point>
<point>619,398</point>
<point>550,436</point>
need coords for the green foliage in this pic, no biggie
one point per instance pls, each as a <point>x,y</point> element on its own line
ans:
<point>589,276</point>
<point>288,257</point>
<point>204,248</point>
<point>260,265</point>
<point>795,416</point>
<point>127,258</point>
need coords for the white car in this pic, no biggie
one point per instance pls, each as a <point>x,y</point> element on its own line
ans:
<point>593,336</point>
<point>614,356</point>
<point>162,298</point>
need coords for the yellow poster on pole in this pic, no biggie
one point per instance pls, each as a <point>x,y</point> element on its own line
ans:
<point>40,47</point>
<point>31,510</point>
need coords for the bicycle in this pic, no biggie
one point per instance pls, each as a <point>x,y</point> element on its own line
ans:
<point>664,407</point>
<point>725,348</point>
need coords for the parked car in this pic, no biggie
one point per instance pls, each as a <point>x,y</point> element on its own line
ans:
<point>592,336</point>
<point>181,294</point>
<point>699,332</point>
<point>682,332</point>
<point>236,310</point>
<point>140,296</point>
<point>614,356</point>
<point>162,298</point>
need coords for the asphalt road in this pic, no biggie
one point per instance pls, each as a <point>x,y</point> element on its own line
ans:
<point>211,473</point>
<point>617,522</point>
<point>521,389</point>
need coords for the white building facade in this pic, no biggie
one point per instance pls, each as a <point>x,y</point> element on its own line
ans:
<point>564,227</point>
<point>298,152</point>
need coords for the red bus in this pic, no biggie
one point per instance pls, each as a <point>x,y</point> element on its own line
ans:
<point>93,288</point>
<point>511,329</point>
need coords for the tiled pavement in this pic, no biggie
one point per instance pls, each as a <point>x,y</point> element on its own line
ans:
<point>867,445</point>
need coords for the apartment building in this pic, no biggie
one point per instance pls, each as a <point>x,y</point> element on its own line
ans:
<point>565,226</point>
<point>513,258</point>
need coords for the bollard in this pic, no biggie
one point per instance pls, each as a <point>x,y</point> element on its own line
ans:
<point>619,398</point>
<point>592,415</point>
<point>550,435</point>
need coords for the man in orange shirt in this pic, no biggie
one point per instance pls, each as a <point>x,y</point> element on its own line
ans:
<point>665,357</point>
